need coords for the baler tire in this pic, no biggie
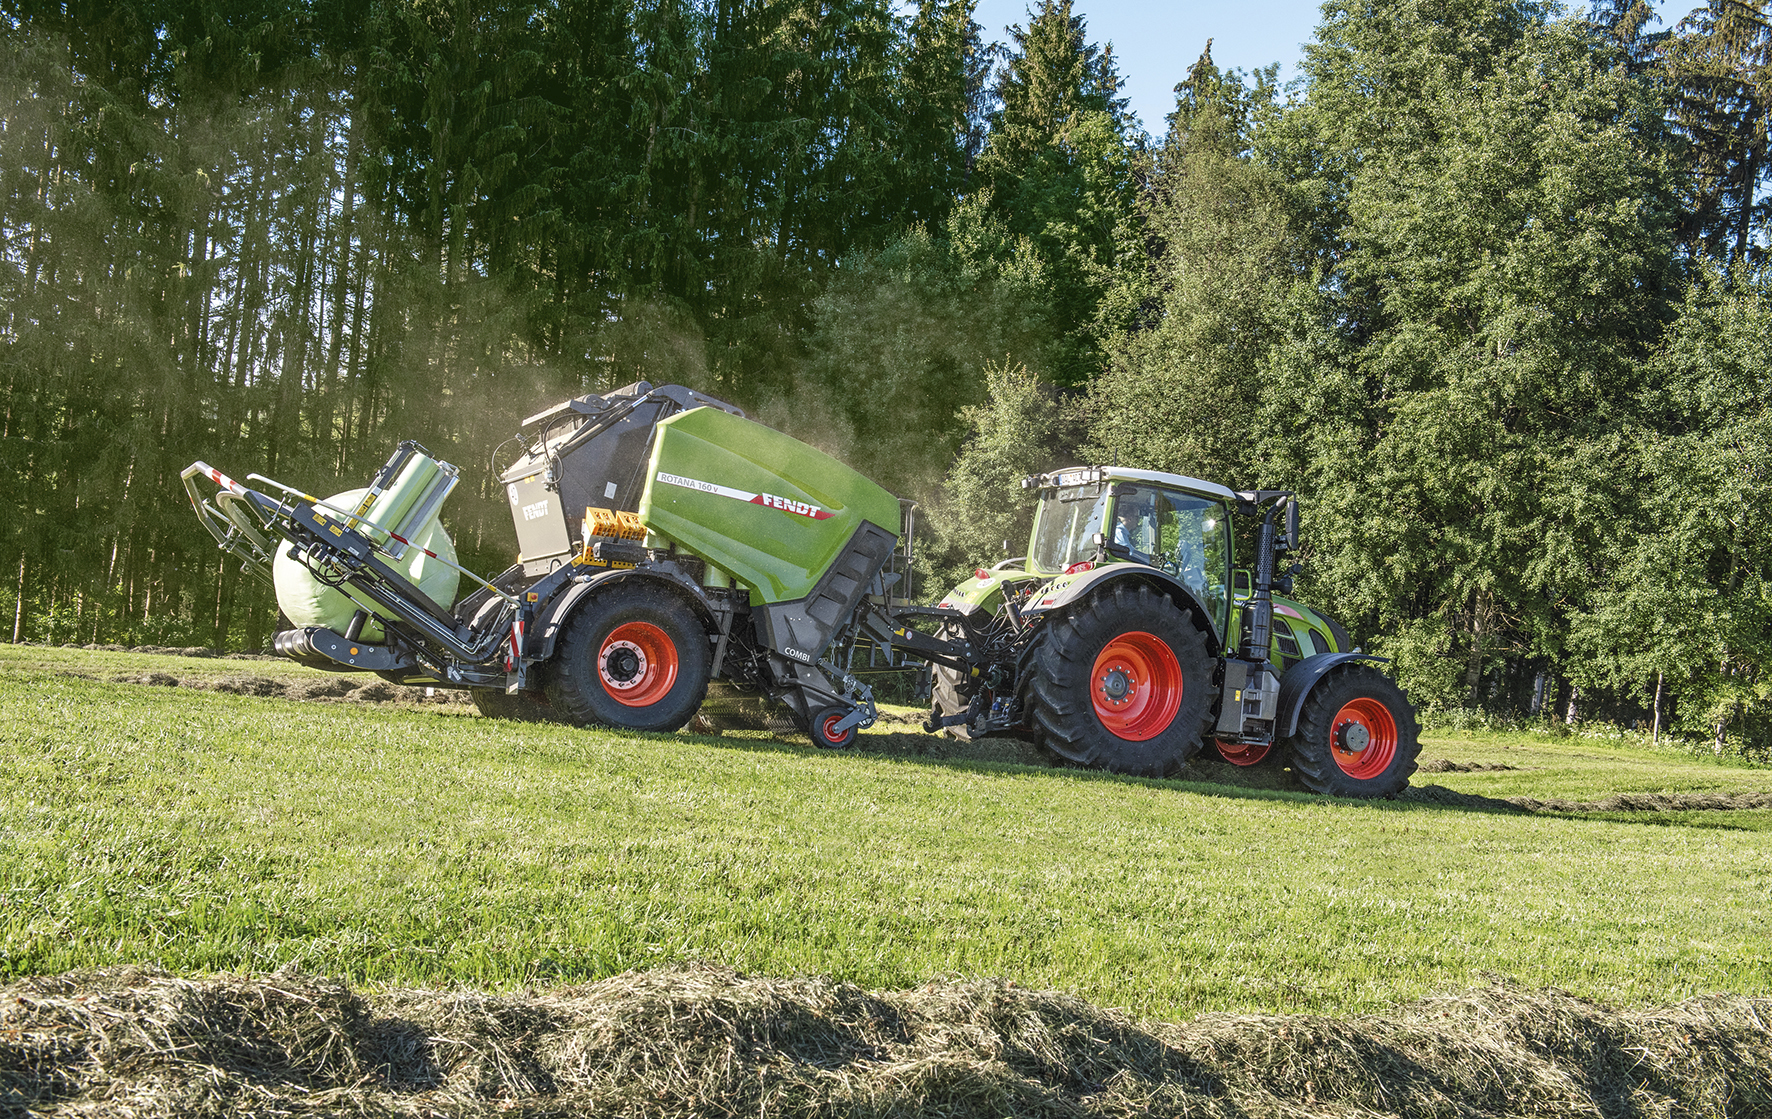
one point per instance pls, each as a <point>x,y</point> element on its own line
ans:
<point>822,734</point>
<point>631,658</point>
<point>950,691</point>
<point>1122,626</point>
<point>524,707</point>
<point>1356,694</point>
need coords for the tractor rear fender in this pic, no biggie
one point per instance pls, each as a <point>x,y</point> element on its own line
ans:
<point>1071,588</point>
<point>1296,685</point>
<point>551,615</point>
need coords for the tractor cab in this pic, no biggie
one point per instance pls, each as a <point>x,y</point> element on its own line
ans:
<point>1094,517</point>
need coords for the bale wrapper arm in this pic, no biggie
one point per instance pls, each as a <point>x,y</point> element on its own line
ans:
<point>348,552</point>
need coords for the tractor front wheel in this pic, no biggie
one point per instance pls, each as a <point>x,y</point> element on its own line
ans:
<point>632,658</point>
<point>1122,682</point>
<point>1357,736</point>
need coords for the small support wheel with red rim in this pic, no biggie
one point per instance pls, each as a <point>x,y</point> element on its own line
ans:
<point>825,734</point>
<point>1357,735</point>
<point>1238,754</point>
<point>632,657</point>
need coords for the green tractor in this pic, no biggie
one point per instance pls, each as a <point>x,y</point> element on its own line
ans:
<point>1128,638</point>
<point>667,542</point>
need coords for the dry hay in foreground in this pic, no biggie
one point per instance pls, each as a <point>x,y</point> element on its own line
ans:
<point>706,1041</point>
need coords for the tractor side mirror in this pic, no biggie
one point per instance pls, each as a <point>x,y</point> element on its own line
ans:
<point>1290,574</point>
<point>1291,523</point>
<point>1242,583</point>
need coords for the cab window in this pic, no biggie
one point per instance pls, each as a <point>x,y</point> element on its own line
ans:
<point>1064,530</point>
<point>1184,534</point>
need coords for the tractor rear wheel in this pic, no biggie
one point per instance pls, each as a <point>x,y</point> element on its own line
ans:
<point>950,691</point>
<point>1122,682</point>
<point>1357,736</point>
<point>1245,756</point>
<point>631,658</point>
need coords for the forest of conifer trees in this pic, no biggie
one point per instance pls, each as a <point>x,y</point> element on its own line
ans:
<point>1486,285</point>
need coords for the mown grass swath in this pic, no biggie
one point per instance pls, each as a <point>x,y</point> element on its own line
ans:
<point>704,1041</point>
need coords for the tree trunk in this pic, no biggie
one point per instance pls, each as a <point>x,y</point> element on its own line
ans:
<point>1655,732</point>
<point>18,609</point>
<point>1473,673</point>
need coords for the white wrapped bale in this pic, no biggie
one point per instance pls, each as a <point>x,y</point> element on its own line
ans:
<point>306,601</point>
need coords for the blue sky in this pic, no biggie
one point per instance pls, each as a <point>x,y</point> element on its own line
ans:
<point>1157,40</point>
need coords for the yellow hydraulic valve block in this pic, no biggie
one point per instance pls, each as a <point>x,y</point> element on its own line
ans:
<point>608,524</point>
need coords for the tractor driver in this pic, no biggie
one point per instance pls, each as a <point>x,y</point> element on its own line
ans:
<point>1135,520</point>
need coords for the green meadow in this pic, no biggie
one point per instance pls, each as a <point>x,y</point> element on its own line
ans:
<point>423,845</point>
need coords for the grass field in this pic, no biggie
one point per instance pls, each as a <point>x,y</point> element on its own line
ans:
<point>412,845</point>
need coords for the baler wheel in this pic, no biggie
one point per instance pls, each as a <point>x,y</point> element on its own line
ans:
<point>825,734</point>
<point>630,657</point>
<point>1123,682</point>
<point>1357,736</point>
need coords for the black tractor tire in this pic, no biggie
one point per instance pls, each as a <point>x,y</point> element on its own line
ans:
<point>631,658</point>
<point>524,707</point>
<point>951,690</point>
<point>1149,726</point>
<point>1357,735</point>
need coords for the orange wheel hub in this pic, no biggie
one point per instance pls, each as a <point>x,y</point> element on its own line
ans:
<point>638,664</point>
<point>1135,686</point>
<point>1363,738</point>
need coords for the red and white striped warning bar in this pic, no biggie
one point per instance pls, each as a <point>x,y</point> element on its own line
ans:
<point>787,504</point>
<point>220,479</point>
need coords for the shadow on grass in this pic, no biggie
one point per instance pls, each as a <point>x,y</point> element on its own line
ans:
<point>1204,776</point>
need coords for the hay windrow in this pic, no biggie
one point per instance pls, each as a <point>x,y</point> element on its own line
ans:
<point>1652,802</point>
<point>1447,765</point>
<point>707,1041</point>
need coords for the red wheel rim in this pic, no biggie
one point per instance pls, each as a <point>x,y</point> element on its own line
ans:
<point>1243,755</point>
<point>1363,738</point>
<point>829,729</point>
<point>638,664</point>
<point>1135,686</point>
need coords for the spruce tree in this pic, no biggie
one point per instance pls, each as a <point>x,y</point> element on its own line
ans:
<point>1059,171</point>
<point>1719,77</point>
<point>1181,382</point>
